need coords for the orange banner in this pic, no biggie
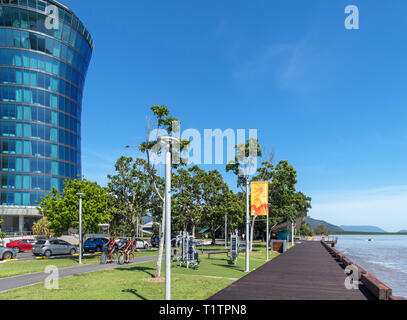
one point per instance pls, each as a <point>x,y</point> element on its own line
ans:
<point>259,205</point>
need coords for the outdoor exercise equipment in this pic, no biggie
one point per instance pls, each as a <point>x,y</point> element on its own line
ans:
<point>234,249</point>
<point>187,257</point>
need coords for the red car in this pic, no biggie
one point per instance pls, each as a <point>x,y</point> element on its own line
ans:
<point>21,245</point>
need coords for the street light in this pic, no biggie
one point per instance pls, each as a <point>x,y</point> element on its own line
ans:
<point>166,141</point>
<point>247,225</point>
<point>80,226</point>
<point>226,230</point>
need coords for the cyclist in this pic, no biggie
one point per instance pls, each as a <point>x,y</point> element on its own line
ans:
<point>127,249</point>
<point>110,247</point>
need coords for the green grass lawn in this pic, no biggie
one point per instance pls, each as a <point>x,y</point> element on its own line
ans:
<point>131,282</point>
<point>24,267</point>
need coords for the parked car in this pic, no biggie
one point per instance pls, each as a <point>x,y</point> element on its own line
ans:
<point>141,244</point>
<point>94,244</point>
<point>52,247</point>
<point>7,253</point>
<point>155,241</point>
<point>21,245</point>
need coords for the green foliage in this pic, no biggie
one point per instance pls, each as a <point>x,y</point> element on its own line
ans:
<point>130,192</point>
<point>285,202</point>
<point>244,162</point>
<point>322,230</point>
<point>219,200</point>
<point>156,228</point>
<point>62,211</point>
<point>171,126</point>
<point>305,230</point>
<point>42,227</point>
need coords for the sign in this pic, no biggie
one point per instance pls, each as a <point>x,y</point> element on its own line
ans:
<point>259,196</point>
<point>233,247</point>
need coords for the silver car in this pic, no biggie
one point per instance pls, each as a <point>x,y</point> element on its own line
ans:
<point>138,243</point>
<point>7,253</point>
<point>51,247</point>
<point>141,244</point>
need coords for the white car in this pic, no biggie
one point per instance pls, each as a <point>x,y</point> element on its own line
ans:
<point>141,244</point>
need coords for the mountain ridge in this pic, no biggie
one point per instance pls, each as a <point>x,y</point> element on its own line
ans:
<point>315,223</point>
<point>362,229</point>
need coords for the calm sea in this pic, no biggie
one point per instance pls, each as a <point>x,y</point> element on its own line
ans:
<point>385,257</point>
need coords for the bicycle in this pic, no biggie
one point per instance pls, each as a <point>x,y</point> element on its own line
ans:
<point>122,257</point>
<point>104,258</point>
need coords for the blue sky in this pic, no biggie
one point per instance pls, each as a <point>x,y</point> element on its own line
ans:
<point>331,101</point>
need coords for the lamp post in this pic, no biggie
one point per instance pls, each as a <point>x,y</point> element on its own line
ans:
<point>247,226</point>
<point>166,141</point>
<point>226,230</point>
<point>267,237</point>
<point>80,226</point>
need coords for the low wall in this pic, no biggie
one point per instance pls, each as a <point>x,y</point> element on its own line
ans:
<point>278,245</point>
<point>374,285</point>
<point>11,239</point>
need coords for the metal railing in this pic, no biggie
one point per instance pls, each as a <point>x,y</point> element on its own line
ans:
<point>11,233</point>
<point>330,239</point>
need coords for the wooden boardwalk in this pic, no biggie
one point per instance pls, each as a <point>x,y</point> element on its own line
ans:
<point>305,272</point>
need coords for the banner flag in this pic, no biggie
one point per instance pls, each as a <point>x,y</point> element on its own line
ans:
<point>259,205</point>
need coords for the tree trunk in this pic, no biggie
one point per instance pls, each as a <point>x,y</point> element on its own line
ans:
<point>137,226</point>
<point>133,223</point>
<point>251,234</point>
<point>213,232</point>
<point>193,229</point>
<point>161,249</point>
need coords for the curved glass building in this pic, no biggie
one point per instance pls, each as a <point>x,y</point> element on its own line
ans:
<point>43,65</point>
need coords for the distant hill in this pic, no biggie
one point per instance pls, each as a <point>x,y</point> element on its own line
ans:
<point>315,223</point>
<point>362,229</point>
<point>402,231</point>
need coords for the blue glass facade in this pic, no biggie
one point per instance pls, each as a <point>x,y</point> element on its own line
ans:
<point>42,77</point>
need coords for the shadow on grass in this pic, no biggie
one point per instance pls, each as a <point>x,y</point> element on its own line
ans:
<point>134,291</point>
<point>229,266</point>
<point>139,268</point>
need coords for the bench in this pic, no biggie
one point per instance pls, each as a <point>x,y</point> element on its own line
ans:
<point>217,252</point>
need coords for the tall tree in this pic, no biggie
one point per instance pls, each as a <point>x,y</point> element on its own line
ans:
<point>131,190</point>
<point>161,122</point>
<point>285,202</point>
<point>62,210</point>
<point>243,165</point>
<point>216,200</point>
<point>188,197</point>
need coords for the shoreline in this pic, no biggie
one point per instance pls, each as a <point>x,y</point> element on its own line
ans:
<point>374,285</point>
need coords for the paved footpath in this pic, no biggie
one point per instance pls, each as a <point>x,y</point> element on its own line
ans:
<point>305,272</point>
<point>16,282</point>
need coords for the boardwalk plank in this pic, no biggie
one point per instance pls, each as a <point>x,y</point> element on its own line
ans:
<point>305,272</point>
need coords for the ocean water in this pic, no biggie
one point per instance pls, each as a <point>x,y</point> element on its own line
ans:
<point>385,257</point>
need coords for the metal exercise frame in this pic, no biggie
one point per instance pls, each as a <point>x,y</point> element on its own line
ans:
<point>234,248</point>
<point>187,256</point>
